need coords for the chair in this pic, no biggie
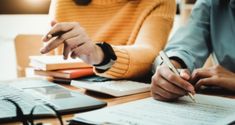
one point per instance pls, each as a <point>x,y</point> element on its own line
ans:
<point>25,46</point>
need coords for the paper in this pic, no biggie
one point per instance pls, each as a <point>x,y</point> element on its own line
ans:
<point>207,111</point>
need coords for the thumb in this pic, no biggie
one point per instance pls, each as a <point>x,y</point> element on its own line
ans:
<point>185,74</point>
<point>53,22</point>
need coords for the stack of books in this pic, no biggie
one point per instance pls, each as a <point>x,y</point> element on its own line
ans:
<point>59,69</point>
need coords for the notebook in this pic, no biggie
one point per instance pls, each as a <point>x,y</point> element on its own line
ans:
<point>30,92</point>
<point>56,62</point>
<point>114,88</point>
<point>208,110</point>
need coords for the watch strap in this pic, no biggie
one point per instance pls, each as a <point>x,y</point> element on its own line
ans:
<point>109,56</point>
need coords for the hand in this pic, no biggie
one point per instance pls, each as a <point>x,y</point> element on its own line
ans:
<point>214,76</point>
<point>75,41</point>
<point>167,86</point>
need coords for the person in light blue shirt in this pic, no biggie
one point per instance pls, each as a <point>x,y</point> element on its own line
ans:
<point>210,30</point>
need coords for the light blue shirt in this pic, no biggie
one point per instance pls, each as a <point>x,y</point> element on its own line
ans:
<point>211,29</point>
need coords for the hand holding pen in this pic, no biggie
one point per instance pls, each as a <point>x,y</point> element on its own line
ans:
<point>75,40</point>
<point>168,86</point>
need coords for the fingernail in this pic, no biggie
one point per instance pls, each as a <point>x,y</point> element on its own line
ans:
<point>187,77</point>
<point>49,36</point>
<point>191,89</point>
<point>43,50</point>
<point>43,38</point>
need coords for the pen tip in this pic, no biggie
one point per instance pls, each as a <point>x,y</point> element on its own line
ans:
<point>192,97</point>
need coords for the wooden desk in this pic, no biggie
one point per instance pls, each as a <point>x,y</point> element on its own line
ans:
<point>114,101</point>
<point>110,100</point>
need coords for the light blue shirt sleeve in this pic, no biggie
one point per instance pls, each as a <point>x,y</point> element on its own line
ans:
<point>192,43</point>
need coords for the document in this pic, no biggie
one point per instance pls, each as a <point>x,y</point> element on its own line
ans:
<point>208,110</point>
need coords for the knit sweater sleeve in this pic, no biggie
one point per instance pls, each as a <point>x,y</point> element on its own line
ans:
<point>136,60</point>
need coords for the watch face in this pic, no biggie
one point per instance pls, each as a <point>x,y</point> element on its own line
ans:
<point>112,55</point>
<point>109,54</point>
<point>82,2</point>
<point>110,51</point>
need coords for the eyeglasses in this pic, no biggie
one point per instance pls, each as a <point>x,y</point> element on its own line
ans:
<point>29,120</point>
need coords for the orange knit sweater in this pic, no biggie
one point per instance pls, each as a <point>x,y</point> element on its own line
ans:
<point>137,30</point>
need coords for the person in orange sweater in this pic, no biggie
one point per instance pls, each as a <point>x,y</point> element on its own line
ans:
<point>120,38</point>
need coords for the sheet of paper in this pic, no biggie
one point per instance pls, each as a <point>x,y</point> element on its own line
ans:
<point>207,111</point>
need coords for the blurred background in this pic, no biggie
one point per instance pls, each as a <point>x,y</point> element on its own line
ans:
<point>24,6</point>
<point>22,20</point>
<point>19,17</point>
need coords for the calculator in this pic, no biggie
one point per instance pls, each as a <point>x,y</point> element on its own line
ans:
<point>114,88</point>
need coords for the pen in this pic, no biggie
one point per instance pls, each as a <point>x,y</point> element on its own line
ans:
<point>55,34</point>
<point>167,61</point>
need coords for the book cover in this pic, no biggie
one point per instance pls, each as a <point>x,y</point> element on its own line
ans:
<point>67,73</point>
<point>56,62</point>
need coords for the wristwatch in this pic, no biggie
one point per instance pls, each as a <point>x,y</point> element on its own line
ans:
<point>109,56</point>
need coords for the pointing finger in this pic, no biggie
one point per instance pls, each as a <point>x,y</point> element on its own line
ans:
<point>51,45</point>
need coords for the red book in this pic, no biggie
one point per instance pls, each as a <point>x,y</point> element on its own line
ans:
<point>66,73</point>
